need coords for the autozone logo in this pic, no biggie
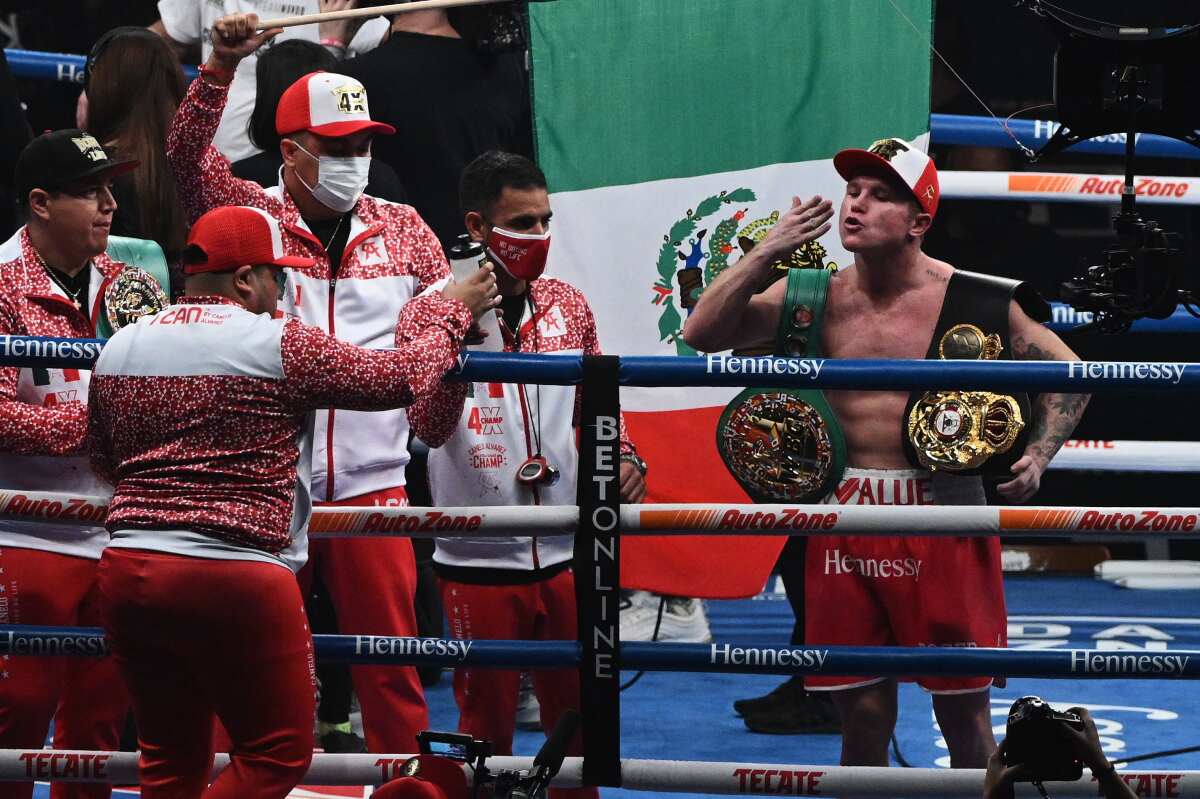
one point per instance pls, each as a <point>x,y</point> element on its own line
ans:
<point>733,519</point>
<point>1097,519</point>
<point>1095,185</point>
<point>70,508</point>
<point>412,521</point>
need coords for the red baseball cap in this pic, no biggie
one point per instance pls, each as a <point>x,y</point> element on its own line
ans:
<point>233,236</point>
<point>900,158</point>
<point>426,777</point>
<point>327,104</point>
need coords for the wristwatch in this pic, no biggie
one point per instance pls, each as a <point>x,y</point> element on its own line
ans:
<point>638,463</point>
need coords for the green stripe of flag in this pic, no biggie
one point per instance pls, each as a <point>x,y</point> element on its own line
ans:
<point>627,91</point>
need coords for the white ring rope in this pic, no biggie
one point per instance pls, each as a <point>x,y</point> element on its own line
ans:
<point>973,521</point>
<point>1065,187</point>
<point>666,776</point>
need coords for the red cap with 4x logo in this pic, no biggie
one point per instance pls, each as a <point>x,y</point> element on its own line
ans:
<point>327,104</point>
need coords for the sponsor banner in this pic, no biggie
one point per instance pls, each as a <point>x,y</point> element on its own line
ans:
<point>1064,318</point>
<point>1128,456</point>
<point>675,776</point>
<point>896,375</point>
<point>987,132</point>
<point>891,519</point>
<point>59,353</point>
<point>1064,187</point>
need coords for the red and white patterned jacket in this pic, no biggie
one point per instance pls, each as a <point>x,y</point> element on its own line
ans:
<point>201,417</point>
<point>496,426</point>
<point>43,412</point>
<point>390,257</point>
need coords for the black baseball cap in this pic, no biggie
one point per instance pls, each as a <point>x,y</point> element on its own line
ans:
<point>60,158</point>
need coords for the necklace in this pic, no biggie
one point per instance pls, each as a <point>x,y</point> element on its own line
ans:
<point>73,295</point>
<point>335,232</point>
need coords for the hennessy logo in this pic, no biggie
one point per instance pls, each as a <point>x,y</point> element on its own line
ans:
<point>90,147</point>
<point>887,148</point>
<point>351,99</point>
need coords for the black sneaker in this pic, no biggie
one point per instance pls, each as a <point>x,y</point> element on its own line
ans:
<point>342,743</point>
<point>786,693</point>
<point>814,713</point>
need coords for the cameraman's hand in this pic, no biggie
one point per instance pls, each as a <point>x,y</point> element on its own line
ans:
<point>236,36</point>
<point>998,782</point>
<point>1085,744</point>
<point>478,292</point>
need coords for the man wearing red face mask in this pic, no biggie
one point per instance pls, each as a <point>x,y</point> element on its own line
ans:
<point>513,444</point>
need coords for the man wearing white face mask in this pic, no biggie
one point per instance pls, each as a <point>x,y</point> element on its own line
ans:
<point>371,257</point>
<point>513,444</point>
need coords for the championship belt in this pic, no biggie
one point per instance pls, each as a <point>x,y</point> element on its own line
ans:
<point>784,444</point>
<point>960,430</point>
<point>973,432</point>
<point>139,290</point>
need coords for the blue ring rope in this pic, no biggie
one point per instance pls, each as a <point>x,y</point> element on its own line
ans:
<point>66,67</point>
<point>709,658</point>
<point>721,370</point>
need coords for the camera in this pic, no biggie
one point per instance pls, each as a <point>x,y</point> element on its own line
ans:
<point>455,746</point>
<point>1110,79</point>
<point>1141,276</point>
<point>1034,740</point>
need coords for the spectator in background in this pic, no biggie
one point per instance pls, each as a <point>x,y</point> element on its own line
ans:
<point>132,123</point>
<point>278,68</point>
<point>454,86</point>
<point>14,135</point>
<point>186,24</point>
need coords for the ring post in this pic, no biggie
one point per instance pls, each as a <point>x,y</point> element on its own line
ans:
<point>597,570</point>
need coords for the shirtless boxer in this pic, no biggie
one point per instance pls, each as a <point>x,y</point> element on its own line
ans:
<point>890,304</point>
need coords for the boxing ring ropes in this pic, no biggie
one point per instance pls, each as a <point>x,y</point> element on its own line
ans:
<point>600,519</point>
<point>599,516</point>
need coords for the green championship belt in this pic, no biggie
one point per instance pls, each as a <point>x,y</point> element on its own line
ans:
<point>141,288</point>
<point>785,444</point>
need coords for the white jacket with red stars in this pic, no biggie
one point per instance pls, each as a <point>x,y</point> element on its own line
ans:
<point>201,416</point>
<point>43,412</point>
<point>390,257</point>
<point>495,427</point>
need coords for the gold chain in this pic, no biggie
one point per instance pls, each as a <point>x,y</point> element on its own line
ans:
<point>73,295</point>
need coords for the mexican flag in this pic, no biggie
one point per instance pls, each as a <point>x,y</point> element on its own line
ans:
<point>673,133</point>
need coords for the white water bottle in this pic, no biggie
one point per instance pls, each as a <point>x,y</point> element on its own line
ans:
<point>466,256</point>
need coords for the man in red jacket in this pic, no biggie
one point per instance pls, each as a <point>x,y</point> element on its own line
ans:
<point>367,259</point>
<point>54,276</point>
<point>202,416</point>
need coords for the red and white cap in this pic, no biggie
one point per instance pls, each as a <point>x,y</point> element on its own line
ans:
<point>233,236</point>
<point>327,104</point>
<point>900,158</point>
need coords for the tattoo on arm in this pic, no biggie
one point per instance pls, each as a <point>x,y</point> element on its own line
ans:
<point>1055,416</point>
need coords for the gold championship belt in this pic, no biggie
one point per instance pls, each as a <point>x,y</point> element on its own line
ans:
<point>133,294</point>
<point>960,430</point>
<point>779,444</point>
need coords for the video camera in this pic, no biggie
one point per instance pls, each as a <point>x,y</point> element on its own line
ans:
<point>1034,741</point>
<point>505,783</point>
<point>1110,79</point>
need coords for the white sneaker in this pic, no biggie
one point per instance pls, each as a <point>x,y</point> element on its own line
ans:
<point>529,712</point>
<point>685,622</point>
<point>639,615</point>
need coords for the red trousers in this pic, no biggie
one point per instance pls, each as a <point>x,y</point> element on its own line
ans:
<point>49,589</point>
<point>196,638</point>
<point>373,584</point>
<point>487,698</point>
